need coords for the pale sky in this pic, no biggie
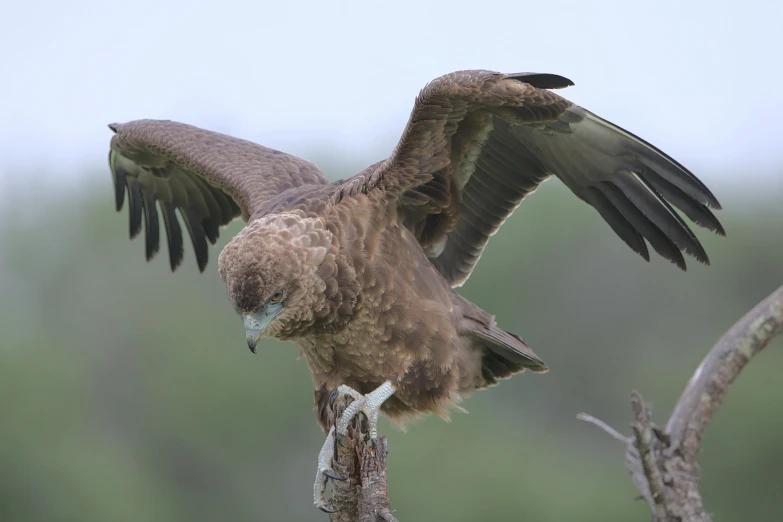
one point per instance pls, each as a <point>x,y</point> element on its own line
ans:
<point>700,80</point>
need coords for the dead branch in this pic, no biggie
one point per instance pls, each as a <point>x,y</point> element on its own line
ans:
<point>708,385</point>
<point>363,496</point>
<point>662,462</point>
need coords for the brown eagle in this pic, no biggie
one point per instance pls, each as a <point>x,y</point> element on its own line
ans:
<point>360,273</point>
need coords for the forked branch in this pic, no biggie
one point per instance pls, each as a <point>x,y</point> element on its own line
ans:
<point>663,461</point>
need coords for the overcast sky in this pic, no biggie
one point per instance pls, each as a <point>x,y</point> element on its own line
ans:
<point>323,79</point>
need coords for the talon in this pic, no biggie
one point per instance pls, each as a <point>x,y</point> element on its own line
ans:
<point>332,475</point>
<point>333,397</point>
<point>325,472</point>
<point>369,404</point>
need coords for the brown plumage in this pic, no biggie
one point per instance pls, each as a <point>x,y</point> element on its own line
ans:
<point>360,273</point>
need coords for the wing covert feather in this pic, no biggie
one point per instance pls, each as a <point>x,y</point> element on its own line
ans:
<point>478,142</point>
<point>206,177</point>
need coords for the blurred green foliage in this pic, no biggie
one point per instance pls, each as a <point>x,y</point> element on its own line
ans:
<point>128,394</point>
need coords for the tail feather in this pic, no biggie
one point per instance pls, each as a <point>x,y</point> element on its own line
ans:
<point>504,354</point>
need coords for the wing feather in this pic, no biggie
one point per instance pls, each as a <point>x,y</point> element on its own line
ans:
<point>617,221</point>
<point>151,227</point>
<point>478,142</point>
<point>208,178</point>
<point>174,235</point>
<point>135,208</point>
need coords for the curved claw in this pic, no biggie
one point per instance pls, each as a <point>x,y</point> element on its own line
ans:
<point>332,475</point>
<point>325,472</point>
<point>333,397</point>
<point>326,509</point>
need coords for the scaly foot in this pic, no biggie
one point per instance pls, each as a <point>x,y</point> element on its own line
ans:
<point>325,471</point>
<point>370,405</point>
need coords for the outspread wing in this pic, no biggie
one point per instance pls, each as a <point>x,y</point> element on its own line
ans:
<point>210,178</point>
<point>478,142</point>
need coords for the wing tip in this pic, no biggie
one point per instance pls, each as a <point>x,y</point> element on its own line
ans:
<point>705,194</point>
<point>119,179</point>
<point>174,262</point>
<point>542,80</point>
<point>135,208</point>
<point>714,203</point>
<point>700,255</point>
<point>680,263</point>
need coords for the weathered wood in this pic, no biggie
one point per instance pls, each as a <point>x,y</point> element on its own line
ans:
<point>662,462</point>
<point>363,496</point>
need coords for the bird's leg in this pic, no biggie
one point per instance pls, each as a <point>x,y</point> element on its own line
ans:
<point>369,404</point>
<point>325,471</point>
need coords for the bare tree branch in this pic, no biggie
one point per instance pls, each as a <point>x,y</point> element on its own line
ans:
<point>707,387</point>
<point>643,446</point>
<point>373,496</point>
<point>663,462</point>
<point>363,496</point>
<point>604,426</point>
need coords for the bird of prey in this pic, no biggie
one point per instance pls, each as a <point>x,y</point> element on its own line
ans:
<point>360,273</point>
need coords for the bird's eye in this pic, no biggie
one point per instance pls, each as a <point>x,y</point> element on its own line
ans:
<point>277,296</point>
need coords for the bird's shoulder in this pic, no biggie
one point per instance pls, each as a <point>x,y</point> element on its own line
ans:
<point>308,200</point>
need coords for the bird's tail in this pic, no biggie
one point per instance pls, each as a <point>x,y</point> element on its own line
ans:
<point>504,354</point>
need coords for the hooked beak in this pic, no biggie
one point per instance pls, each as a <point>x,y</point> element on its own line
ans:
<point>253,329</point>
<point>255,324</point>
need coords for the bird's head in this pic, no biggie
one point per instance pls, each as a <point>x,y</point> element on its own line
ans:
<point>270,271</point>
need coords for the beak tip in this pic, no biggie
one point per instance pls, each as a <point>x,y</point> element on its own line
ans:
<point>254,328</point>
